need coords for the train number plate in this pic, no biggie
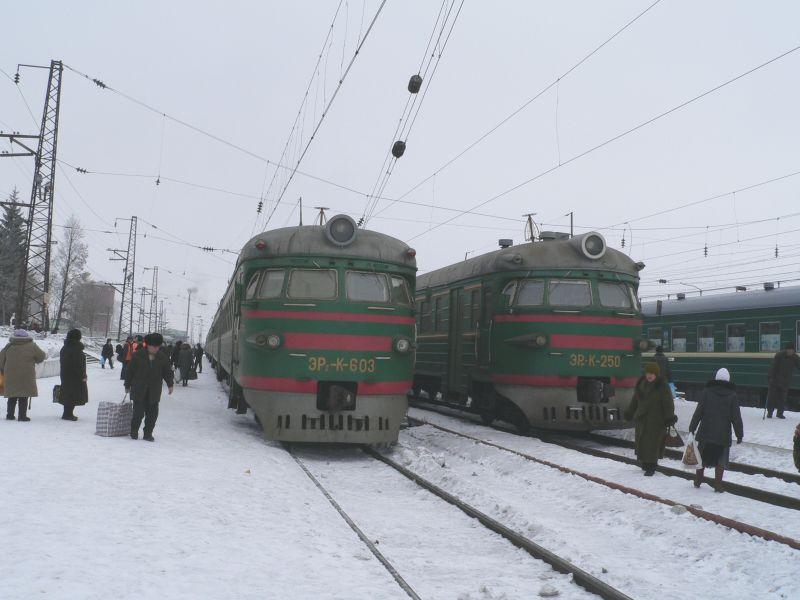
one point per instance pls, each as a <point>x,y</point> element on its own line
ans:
<point>593,360</point>
<point>321,364</point>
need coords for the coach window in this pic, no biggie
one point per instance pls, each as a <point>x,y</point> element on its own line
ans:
<point>531,292</point>
<point>475,307</point>
<point>614,294</point>
<point>507,295</point>
<point>679,339</point>
<point>705,338</point>
<point>569,293</point>
<point>367,287</point>
<point>319,284</point>
<point>735,338</point>
<point>424,316</point>
<point>271,283</point>
<point>769,336</point>
<point>654,335</point>
<point>252,286</point>
<point>400,293</point>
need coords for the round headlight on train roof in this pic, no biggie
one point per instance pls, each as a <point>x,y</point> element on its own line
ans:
<point>341,230</point>
<point>593,245</point>
<point>261,245</point>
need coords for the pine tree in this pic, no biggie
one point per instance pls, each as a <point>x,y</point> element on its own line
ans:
<point>12,255</point>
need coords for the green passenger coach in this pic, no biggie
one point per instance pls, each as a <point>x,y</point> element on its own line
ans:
<point>740,331</point>
<point>315,333</point>
<point>543,334</point>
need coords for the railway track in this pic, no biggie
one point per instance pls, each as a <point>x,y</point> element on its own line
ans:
<point>579,577</point>
<point>565,441</point>
<point>696,511</point>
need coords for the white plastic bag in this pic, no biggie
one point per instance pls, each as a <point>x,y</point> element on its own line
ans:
<point>691,455</point>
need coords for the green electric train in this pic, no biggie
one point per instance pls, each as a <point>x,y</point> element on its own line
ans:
<point>315,333</point>
<point>741,331</point>
<point>544,334</point>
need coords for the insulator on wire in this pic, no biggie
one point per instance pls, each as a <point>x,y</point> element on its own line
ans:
<point>776,251</point>
<point>705,250</point>
<point>260,206</point>
<point>415,83</point>
<point>158,180</point>
<point>398,149</point>
<point>16,77</point>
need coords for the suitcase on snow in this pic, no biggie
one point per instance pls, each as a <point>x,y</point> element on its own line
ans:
<point>114,418</point>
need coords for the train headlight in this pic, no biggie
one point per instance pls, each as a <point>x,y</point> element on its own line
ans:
<point>341,230</point>
<point>261,245</point>
<point>644,345</point>
<point>593,245</point>
<point>540,340</point>
<point>273,340</point>
<point>402,345</point>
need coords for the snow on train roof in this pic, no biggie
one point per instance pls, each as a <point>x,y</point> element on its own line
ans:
<point>304,240</point>
<point>551,254</point>
<point>787,296</point>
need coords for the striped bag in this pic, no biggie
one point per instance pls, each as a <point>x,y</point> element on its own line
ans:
<point>114,418</point>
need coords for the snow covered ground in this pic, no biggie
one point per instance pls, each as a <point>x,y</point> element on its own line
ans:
<point>211,510</point>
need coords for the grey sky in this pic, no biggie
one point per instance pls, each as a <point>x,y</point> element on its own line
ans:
<point>239,70</point>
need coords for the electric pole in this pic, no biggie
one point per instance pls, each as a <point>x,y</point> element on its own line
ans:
<point>188,308</point>
<point>33,288</point>
<point>126,303</point>
<point>152,319</point>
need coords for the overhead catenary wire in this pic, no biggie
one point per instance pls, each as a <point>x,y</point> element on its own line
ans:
<point>620,135</point>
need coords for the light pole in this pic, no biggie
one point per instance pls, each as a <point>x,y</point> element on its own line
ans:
<point>188,308</point>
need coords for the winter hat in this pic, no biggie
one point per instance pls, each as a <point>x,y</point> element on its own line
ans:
<point>73,335</point>
<point>20,333</point>
<point>154,339</point>
<point>790,346</point>
<point>652,368</point>
<point>723,375</point>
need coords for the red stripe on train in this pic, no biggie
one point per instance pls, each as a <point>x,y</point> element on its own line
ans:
<point>327,316</point>
<point>555,380</point>
<point>287,384</point>
<point>590,342</point>
<point>568,319</point>
<point>336,341</point>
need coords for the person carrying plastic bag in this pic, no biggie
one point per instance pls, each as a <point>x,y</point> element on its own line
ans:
<point>717,411</point>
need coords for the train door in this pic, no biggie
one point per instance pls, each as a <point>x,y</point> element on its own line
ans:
<point>454,340</point>
<point>484,342</point>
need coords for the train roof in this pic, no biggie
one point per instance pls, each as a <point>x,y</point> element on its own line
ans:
<point>563,253</point>
<point>305,240</point>
<point>787,296</point>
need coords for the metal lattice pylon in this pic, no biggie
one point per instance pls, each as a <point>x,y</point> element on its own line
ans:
<point>126,321</point>
<point>34,284</point>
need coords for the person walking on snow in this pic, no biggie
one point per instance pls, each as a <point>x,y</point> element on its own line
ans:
<point>107,354</point>
<point>780,377</point>
<point>176,352</point>
<point>74,391</point>
<point>18,360</point>
<point>198,358</point>
<point>148,368</point>
<point>716,412</point>
<point>652,410</point>
<point>185,363</point>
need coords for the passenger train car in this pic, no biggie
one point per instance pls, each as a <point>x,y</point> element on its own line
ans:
<point>315,333</point>
<point>543,334</point>
<point>741,331</point>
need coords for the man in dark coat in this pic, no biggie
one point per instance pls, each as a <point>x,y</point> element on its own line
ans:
<point>717,411</point>
<point>652,409</point>
<point>198,358</point>
<point>73,375</point>
<point>147,370</point>
<point>780,377</point>
<point>107,354</point>
<point>185,363</point>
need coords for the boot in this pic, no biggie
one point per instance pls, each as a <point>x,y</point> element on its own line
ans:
<point>23,410</point>
<point>649,469</point>
<point>698,477</point>
<point>718,472</point>
<point>68,415</point>
<point>10,405</point>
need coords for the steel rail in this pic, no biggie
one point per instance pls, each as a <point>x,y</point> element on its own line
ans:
<point>700,513</point>
<point>580,577</point>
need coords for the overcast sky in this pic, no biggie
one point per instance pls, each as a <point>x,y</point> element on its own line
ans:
<point>239,70</point>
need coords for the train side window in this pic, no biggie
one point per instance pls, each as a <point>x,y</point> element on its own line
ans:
<point>769,336</point>
<point>400,293</point>
<point>475,307</point>
<point>570,293</point>
<point>614,294</point>
<point>441,308</point>
<point>507,295</point>
<point>735,338</point>
<point>271,283</point>
<point>366,287</point>
<point>531,293</point>
<point>425,316</point>
<point>679,339</point>
<point>318,284</point>
<point>705,338</point>
<point>252,286</point>
<point>654,335</point>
